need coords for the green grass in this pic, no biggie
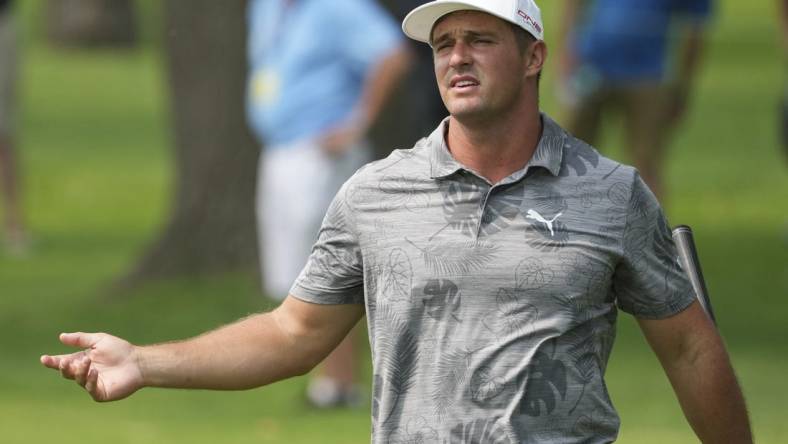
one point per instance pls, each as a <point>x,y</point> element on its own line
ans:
<point>94,146</point>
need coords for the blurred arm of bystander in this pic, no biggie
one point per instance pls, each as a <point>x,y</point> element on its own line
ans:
<point>379,84</point>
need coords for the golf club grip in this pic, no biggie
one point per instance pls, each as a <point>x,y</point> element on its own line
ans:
<point>688,255</point>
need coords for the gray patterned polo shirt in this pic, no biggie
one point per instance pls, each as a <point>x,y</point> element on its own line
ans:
<point>491,309</point>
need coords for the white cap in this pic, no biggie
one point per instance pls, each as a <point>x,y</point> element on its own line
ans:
<point>523,13</point>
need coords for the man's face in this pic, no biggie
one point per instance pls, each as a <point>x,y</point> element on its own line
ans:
<point>480,70</point>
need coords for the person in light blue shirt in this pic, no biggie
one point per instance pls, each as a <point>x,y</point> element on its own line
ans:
<point>636,56</point>
<point>320,72</point>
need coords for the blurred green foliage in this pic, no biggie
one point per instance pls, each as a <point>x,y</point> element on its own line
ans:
<point>94,146</point>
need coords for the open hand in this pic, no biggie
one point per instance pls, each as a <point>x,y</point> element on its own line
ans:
<point>107,367</point>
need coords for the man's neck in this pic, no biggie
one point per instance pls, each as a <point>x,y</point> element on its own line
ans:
<point>495,150</point>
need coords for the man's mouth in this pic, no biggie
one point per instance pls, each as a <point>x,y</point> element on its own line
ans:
<point>463,82</point>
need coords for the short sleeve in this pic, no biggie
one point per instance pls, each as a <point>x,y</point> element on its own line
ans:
<point>368,33</point>
<point>333,273</point>
<point>649,282</point>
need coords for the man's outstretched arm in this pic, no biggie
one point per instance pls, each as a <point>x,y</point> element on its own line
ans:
<point>693,355</point>
<point>251,352</point>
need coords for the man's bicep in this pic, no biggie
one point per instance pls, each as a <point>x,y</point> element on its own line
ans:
<point>681,336</point>
<point>325,325</point>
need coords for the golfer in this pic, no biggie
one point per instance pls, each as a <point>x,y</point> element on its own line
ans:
<point>491,261</point>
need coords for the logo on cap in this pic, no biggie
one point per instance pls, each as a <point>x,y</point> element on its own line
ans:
<point>529,20</point>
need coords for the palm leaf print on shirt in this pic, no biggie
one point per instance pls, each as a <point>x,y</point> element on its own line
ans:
<point>481,431</point>
<point>663,242</point>
<point>401,193</point>
<point>417,431</point>
<point>487,387</point>
<point>456,260</point>
<point>442,300</point>
<point>501,210</point>
<point>587,273</point>
<point>398,276</point>
<point>460,207</point>
<point>595,424</point>
<point>399,351</point>
<point>584,357</point>
<point>619,194</point>
<point>578,158</point>
<point>546,383</point>
<point>452,372</point>
<point>665,250</point>
<point>532,274</point>
<point>402,155</point>
<point>511,316</point>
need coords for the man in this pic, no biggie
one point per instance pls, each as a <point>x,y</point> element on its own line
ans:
<point>15,238</point>
<point>783,6</point>
<point>637,57</point>
<point>310,103</point>
<point>489,260</point>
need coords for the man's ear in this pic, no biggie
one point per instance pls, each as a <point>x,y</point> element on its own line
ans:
<point>536,58</point>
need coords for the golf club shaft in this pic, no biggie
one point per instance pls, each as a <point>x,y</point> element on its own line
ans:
<point>688,255</point>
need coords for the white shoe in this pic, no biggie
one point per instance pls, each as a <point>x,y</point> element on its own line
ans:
<point>325,393</point>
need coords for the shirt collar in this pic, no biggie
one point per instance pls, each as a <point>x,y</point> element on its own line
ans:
<point>548,154</point>
<point>442,163</point>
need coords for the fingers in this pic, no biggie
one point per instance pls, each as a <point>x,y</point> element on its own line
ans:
<point>79,339</point>
<point>80,370</point>
<point>52,362</point>
<point>77,366</point>
<point>92,385</point>
<point>74,366</point>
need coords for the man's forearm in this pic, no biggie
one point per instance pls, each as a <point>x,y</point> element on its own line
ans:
<point>694,358</point>
<point>710,396</point>
<point>252,352</point>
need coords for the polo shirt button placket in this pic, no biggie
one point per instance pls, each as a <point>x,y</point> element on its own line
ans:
<point>483,211</point>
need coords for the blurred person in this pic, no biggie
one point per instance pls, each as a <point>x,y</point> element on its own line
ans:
<point>319,76</point>
<point>783,23</point>
<point>637,57</point>
<point>15,237</point>
<point>783,14</point>
<point>491,261</point>
<point>425,106</point>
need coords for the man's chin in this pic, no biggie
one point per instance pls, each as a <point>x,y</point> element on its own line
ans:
<point>468,115</point>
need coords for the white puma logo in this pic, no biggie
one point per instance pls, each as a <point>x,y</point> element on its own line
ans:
<point>532,214</point>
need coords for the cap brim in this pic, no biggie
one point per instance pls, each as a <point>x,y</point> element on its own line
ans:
<point>418,24</point>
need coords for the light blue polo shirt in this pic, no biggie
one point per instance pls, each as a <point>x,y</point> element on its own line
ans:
<point>629,40</point>
<point>308,63</point>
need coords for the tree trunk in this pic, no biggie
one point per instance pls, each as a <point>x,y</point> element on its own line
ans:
<point>83,23</point>
<point>212,223</point>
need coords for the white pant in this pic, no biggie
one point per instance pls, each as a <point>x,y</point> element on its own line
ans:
<point>295,186</point>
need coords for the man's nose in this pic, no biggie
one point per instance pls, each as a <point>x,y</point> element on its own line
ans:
<point>460,55</point>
